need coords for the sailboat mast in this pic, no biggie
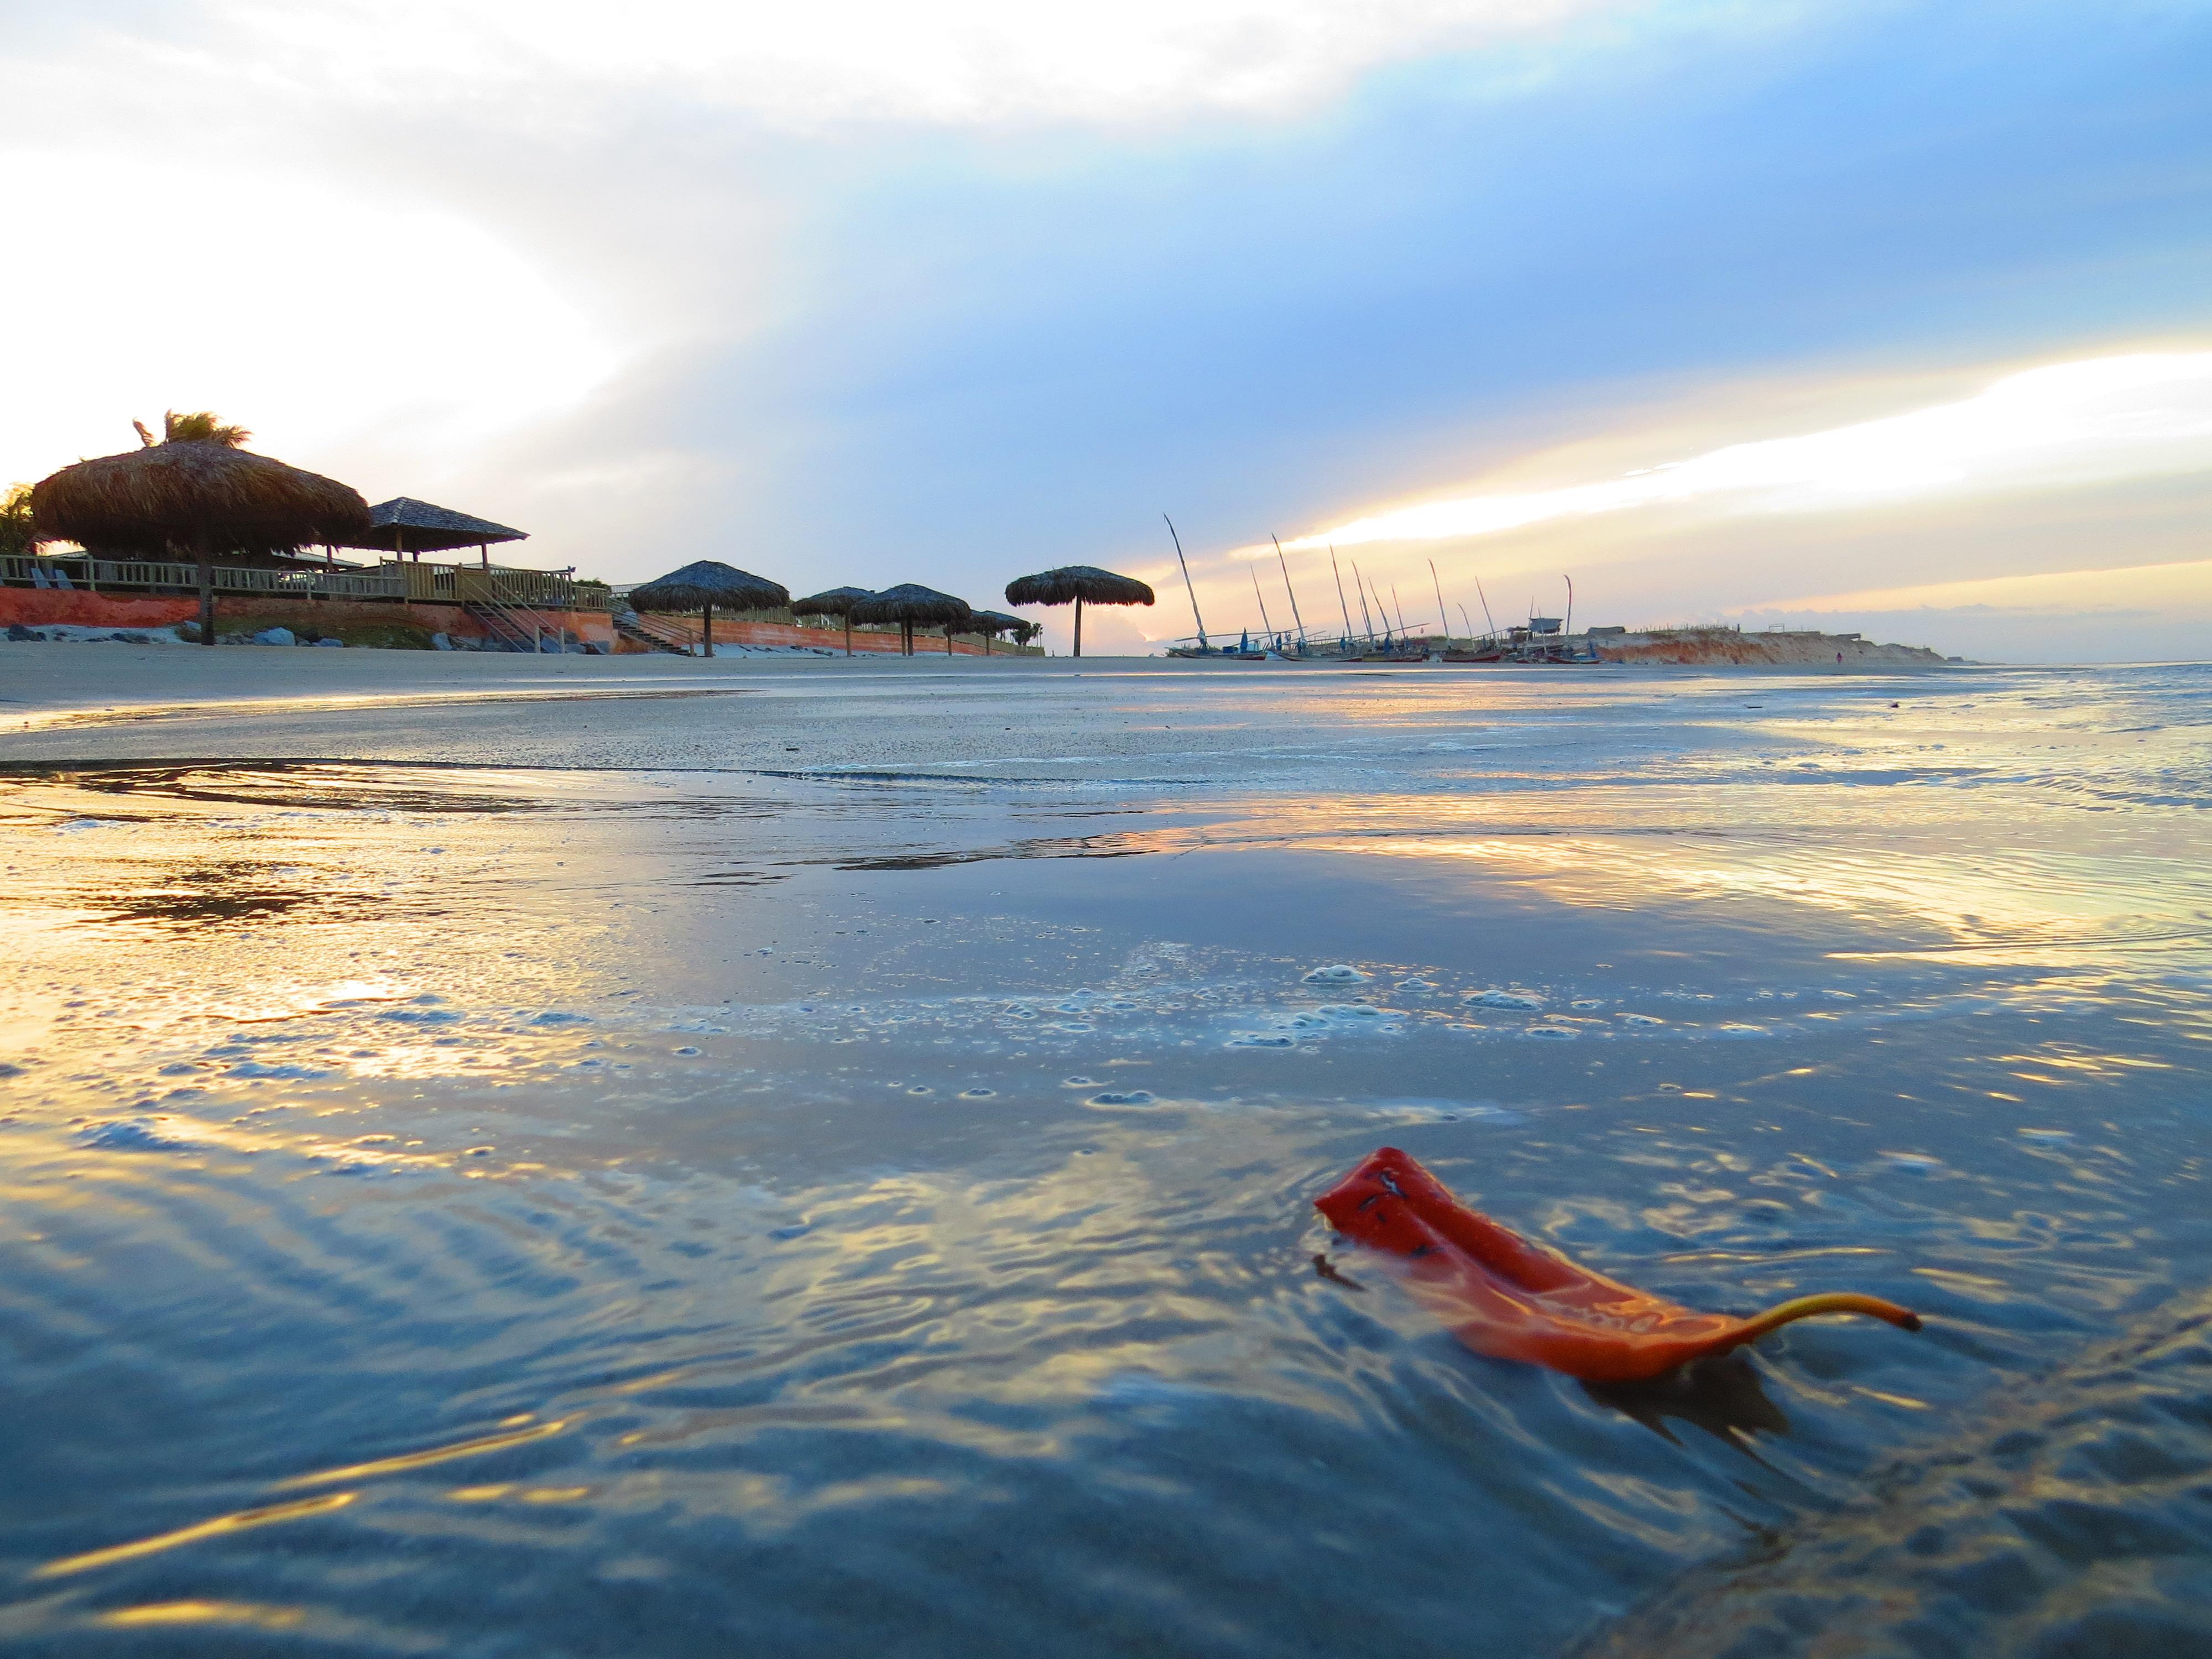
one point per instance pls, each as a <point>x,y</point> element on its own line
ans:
<point>1443,612</point>
<point>1570,605</point>
<point>1256,594</point>
<point>1359,586</point>
<point>1287,588</point>
<point>1340,605</point>
<point>1188,588</point>
<point>1487,621</point>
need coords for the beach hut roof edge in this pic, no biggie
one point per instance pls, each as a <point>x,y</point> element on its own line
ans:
<point>425,528</point>
<point>710,581</point>
<point>910,602</point>
<point>185,493</point>
<point>1071,582</point>
<point>832,602</point>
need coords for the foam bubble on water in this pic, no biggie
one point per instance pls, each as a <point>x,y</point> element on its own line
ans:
<point>1122,1097</point>
<point>1078,1083</point>
<point>1443,1111</point>
<point>132,1135</point>
<point>1641,1019</point>
<point>1341,973</point>
<point>978,1094</point>
<point>1260,1040</point>
<point>2046,1134</point>
<point>1912,1163</point>
<point>1357,1010</point>
<point>1498,997</point>
<point>1555,1033</point>
<point>1740,1029</point>
<point>560,1017</point>
<point>294,1074</point>
<point>1586,1002</point>
<point>686,1049</point>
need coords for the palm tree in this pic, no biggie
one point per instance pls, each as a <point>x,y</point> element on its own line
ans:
<point>202,426</point>
<point>16,535</point>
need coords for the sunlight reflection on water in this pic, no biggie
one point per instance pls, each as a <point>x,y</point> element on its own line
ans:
<point>680,1208</point>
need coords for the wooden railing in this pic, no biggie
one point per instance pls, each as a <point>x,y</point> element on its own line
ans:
<point>93,575</point>
<point>495,585</point>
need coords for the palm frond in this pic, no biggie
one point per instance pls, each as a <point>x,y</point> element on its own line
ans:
<point>202,426</point>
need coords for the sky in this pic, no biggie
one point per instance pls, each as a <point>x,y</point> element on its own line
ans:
<point>1878,316</point>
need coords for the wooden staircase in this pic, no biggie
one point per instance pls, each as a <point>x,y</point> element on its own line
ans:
<point>658,633</point>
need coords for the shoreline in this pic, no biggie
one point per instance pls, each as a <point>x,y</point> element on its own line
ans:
<point>44,681</point>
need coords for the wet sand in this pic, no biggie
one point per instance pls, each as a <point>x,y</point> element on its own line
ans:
<point>827,1164</point>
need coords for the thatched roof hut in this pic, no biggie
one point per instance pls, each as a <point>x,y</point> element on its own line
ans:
<point>195,494</point>
<point>709,582</point>
<point>911,605</point>
<point>1075,584</point>
<point>403,525</point>
<point>834,602</point>
<point>703,586</point>
<point>990,622</point>
<point>187,496</point>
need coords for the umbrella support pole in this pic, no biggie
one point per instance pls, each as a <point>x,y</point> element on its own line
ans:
<point>706,628</point>
<point>207,593</point>
<point>1079,624</point>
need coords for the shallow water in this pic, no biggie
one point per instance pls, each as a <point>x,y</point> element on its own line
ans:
<point>830,1166</point>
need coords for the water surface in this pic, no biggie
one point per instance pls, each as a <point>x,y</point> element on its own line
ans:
<point>828,1166</point>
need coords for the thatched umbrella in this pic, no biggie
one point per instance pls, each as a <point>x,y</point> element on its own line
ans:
<point>1075,583</point>
<point>195,492</point>
<point>703,586</point>
<point>909,604</point>
<point>404,526</point>
<point>834,602</point>
<point>989,623</point>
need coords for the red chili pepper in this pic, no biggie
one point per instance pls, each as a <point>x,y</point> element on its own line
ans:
<point>1511,1299</point>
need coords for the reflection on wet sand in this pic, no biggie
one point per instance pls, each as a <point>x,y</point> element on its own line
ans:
<point>816,1211</point>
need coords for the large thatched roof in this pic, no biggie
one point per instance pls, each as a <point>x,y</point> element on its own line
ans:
<point>998,622</point>
<point>833,602</point>
<point>910,602</point>
<point>186,494</point>
<point>710,582</point>
<point>1072,582</point>
<point>404,525</point>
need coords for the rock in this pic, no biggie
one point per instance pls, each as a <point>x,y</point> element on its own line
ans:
<point>17,632</point>
<point>276,636</point>
<point>340,643</point>
<point>440,642</point>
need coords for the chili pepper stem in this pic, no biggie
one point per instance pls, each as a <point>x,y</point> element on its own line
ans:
<point>1833,1302</point>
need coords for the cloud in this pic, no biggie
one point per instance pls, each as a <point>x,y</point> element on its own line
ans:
<point>881,61</point>
<point>273,296</point>
<point>2063,425</point>
<point>2135,590</point>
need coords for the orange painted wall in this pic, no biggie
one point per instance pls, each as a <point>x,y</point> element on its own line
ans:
<point>33,606</point>
<point>828,639</point>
